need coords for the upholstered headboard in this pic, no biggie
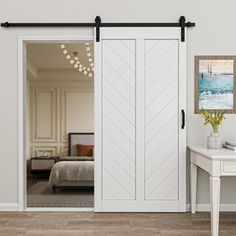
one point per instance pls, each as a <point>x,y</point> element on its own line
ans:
<point>79,138</point>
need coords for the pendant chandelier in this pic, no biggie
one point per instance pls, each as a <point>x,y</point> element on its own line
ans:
<point>73,59</point>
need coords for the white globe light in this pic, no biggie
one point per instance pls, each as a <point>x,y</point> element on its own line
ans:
<point>72,61</point>
<point>88,69</point>
<point>76,66</point>
<point>87,49</point>
<point>76,58</point>
<point>85,72</point>
<point>77,62</point>
<point>91,64</point>
<point>65,51</point>
<point>80,69</point>
<point>68,57</point>
<point>87,44</point>
<point>92,69</point>
<point>62,46</point>
<point>89,54</point>
<point>90,74</point>
<point>84,68</point>
<point>90,59</point>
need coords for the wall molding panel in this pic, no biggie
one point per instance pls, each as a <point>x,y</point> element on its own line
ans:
<point>64,149</point>
<point>71,98</point>
<point>55,109</point>
<point>40,150</point>
<point>44,111</point>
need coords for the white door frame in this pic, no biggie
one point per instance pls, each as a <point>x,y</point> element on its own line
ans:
<point>22,101</point>
<point>147,206</point>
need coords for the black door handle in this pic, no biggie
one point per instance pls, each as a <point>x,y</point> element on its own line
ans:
<point>183,119</point>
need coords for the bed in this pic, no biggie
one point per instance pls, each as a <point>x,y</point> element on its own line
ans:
<point>77,169</point>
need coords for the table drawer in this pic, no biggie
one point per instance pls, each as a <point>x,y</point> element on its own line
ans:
<point>228,167</point>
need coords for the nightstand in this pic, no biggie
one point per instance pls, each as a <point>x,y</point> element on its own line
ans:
<point>41,166</point>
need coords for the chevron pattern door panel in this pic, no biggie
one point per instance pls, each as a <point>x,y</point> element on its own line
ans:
<point>161,119</point>
<point>118,119</point>
<point>140,145</point>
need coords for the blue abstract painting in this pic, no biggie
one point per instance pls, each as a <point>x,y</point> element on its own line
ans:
<point>216,84</point>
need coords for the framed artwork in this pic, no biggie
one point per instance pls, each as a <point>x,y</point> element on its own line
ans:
<point>215,85</point>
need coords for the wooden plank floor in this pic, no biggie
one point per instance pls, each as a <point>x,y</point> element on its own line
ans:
<point>112,224</point>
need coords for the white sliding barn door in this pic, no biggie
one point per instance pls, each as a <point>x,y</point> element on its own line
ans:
<point>139,144</point>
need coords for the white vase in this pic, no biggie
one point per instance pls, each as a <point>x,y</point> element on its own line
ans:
<point>214,141</point>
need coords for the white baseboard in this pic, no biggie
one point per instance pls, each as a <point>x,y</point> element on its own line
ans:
<point>207,207</point>
<point>8,207</point>
<point>199,207</point>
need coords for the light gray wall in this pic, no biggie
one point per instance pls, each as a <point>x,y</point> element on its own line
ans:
<point>214,34</point>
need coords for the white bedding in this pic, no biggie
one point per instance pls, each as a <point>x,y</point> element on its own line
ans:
<point>71,171</point>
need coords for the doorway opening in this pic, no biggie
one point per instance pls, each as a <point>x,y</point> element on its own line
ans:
<point>58,95</point>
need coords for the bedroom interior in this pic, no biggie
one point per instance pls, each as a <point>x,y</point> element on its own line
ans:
<point>60,124</point>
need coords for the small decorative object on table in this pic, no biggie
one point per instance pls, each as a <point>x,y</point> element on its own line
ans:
<point>231,145</point>
<point>215,119</point>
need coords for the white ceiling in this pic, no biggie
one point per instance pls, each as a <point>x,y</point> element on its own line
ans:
<point>50,56</point>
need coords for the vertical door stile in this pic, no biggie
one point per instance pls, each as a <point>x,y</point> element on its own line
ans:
<point>182,132</point>
<point>140,119</point>
<point>97,125</point>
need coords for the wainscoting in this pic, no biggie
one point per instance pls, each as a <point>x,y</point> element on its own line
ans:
<point>56,108</point>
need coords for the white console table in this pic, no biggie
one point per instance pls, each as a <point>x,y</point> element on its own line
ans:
<point>217,163</point>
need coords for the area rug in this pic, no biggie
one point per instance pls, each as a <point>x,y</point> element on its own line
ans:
<point>40,195</point>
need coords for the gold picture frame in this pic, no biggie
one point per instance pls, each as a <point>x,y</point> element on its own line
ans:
<point>215,85</point>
